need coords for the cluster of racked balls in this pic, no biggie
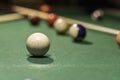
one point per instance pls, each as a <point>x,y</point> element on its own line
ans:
<point>38,43</point>
<point>77,31</point>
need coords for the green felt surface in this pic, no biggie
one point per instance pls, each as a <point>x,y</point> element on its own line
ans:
<point>97,58</point>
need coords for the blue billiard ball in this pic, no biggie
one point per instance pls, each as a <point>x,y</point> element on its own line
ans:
<point>77,32</point>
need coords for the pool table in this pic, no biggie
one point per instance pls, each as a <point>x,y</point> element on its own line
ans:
<point>96,58</point>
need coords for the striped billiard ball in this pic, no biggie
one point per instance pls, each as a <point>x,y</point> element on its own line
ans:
<point>97,15</point>
<point>77,32</point>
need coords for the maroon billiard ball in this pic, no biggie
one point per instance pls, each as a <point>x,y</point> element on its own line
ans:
<point>51,19</point>
<point>34,19</point>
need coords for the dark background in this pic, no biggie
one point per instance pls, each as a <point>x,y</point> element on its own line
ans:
<point>73,3</point>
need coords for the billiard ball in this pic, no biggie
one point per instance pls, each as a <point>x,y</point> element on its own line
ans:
<point>118,38</point>
<point>77,32</point>
<point>97,15</point>
<point>51,19</point>
<point>37,44</point>
<point>34,19</point>
<point>45,8</point>
<point>60,26</point>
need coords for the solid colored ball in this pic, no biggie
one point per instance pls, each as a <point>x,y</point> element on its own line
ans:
<point>51,19</point>
<point>45,8</point>
<point>118,38</point>
<point>77,32</point>
<point>97,15</point>
<point>34,19</point>
<point>37,44</point>
<point>60,26</point>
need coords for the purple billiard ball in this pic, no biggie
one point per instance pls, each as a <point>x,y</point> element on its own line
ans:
<point>77,32</point>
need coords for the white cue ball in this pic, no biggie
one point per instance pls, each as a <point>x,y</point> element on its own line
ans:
<point>37,44</point>
<point>60,26</point>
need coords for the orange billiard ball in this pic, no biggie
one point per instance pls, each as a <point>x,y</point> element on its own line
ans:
<point>118,38</point>
<point>51,19</point>
<point>45,8</point>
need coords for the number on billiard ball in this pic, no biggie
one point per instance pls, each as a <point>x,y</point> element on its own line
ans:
<point>77,32</point>
<point>37,44</point>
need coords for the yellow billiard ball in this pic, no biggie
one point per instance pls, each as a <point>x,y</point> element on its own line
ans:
<point>60,26</point>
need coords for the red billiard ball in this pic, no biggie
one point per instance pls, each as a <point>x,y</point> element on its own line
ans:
<point>45,8</point>
<point>34,19</point>
<point>51,19</point>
